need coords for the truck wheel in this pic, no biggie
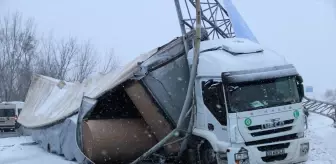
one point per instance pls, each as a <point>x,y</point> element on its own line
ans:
<point>207,154</point>
<point>17,125</point>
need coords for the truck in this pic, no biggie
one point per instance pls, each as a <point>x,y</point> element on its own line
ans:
<point>192,100</point>
<point>248,105</point>
<point>247,102</point>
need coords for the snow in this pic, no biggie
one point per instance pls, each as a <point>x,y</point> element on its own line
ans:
<point>213,63</point>
<point>46,103</point>
<point>322,138</point>
<point>12,152</point>
<point>235,45</point>
<point>320,132</point>
<point>58,94</point>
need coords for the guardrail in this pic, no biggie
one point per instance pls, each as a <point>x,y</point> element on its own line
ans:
<point>327,109</point>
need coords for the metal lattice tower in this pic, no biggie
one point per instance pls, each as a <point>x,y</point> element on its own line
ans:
<point>327,109</point>
<point>214,19</point>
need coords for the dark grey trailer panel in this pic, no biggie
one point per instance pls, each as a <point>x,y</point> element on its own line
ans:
<point>168,76</point>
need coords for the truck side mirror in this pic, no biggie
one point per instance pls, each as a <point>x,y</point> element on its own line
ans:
<point>299,79</point>
<point>301,91</point>
<point>300,86</point>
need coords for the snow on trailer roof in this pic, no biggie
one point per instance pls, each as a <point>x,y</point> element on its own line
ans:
<point>113,79</point>
<point>49,100</point>
<point>233,54</point>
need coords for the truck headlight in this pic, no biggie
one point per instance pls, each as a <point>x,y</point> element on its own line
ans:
<point>304,149</point>
<point>242,158</point>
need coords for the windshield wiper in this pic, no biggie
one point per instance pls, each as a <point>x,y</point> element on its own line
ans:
<point>226,49</point>
<point>233,88</point>
<point>212,49</point>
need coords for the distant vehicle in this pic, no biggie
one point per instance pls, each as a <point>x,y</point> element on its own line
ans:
<point>9,113</point>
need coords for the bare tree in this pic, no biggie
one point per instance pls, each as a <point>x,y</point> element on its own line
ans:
<point>111,62</point>
<point>17,46</point>
<point>45,63</point>
<point>22,54</point>
<point>66,52</point>
<point>330,95</point>
<point>67,60</point>
<point>56,58</point>
<point>85,62</point>
<point>25,70</point>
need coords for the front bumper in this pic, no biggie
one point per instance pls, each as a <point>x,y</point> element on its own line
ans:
<point>7,126</point>
<point>257,155</point>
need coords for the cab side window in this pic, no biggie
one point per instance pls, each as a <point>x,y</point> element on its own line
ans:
<point>213,98</point>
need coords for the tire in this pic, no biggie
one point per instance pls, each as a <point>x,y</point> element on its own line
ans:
<point>17,125</point>
<point>207,154</point>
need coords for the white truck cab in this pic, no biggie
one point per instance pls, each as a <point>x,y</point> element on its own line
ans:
<point>248,102</point>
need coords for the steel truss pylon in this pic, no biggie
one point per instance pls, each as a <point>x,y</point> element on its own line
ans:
<point>214,18</point>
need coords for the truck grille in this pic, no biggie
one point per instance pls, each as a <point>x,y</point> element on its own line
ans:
<point>258,130</point>
<point>271,131</point>
<point>267,132</point>
<point>259,127</point>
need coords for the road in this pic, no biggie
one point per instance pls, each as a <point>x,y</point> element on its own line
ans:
<point>8,134</point>
<point>18,132</point>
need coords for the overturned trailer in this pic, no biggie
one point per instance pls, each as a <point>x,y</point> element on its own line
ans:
<point>113,118</point>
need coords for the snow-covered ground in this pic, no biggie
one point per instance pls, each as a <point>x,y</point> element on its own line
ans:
<point>321,133</point>
<point>322,138</point>
<point>13,152</point>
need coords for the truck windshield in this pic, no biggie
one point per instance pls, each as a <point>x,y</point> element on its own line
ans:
<point>7,112</point>
<point>262,94</point>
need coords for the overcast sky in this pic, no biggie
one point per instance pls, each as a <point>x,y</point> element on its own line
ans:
<point>304,31</point>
